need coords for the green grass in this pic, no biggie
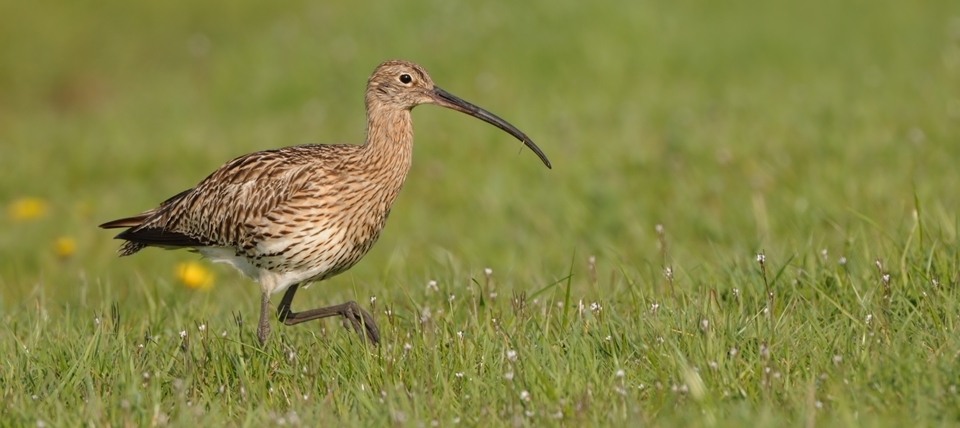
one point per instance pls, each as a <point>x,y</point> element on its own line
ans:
<point>810,133</point>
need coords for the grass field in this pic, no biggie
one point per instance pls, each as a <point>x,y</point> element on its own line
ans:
<point>823,135</point>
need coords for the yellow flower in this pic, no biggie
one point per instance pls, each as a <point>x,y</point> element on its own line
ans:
<point>27,208</point>
<point>64,246</point>
<point>194,275</point>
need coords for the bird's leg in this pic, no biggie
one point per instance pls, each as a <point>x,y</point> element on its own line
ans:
<point>283,309</point>
<point>360,319</point>
<point>263,327</point>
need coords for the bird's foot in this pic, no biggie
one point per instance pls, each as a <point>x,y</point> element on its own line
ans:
<point>353,316</point>
<point>361,321</point>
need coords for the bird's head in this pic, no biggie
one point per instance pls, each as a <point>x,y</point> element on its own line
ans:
<point>403,85</point>
<point>400,84</point>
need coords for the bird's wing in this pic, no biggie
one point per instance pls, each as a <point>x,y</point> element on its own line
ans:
<point>220,209</point>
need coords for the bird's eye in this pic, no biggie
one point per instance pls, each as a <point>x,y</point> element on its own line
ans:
<point>405,78</point>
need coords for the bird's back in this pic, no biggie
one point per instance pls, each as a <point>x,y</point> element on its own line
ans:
<point>315,209</point>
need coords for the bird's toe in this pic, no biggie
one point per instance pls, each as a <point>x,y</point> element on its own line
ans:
<point>362,322</point>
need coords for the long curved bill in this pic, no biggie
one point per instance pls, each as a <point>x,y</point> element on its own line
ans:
<point>450,101</point>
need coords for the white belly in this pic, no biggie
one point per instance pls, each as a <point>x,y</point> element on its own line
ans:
<point>323,258</point>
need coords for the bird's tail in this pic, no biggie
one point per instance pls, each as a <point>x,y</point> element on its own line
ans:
<point>134,221</point>
<point>129,247</point>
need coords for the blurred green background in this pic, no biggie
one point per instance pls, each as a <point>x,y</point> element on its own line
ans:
<point>738,125</point>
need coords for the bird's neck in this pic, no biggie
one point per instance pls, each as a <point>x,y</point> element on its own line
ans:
<point>389,145</point>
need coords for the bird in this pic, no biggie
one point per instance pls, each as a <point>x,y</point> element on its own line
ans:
<point>292,216</point>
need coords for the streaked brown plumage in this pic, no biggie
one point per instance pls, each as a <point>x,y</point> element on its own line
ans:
<point>299,214</point>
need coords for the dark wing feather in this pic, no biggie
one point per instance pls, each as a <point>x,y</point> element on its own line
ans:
<point>158,237</point>
<point>125,222</point>
<point>138,219</point>
<point>139,238</point>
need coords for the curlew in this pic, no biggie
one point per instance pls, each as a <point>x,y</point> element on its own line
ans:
<point>300,214</point>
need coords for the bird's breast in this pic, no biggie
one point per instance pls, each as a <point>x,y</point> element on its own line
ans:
<point>325,238</point>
